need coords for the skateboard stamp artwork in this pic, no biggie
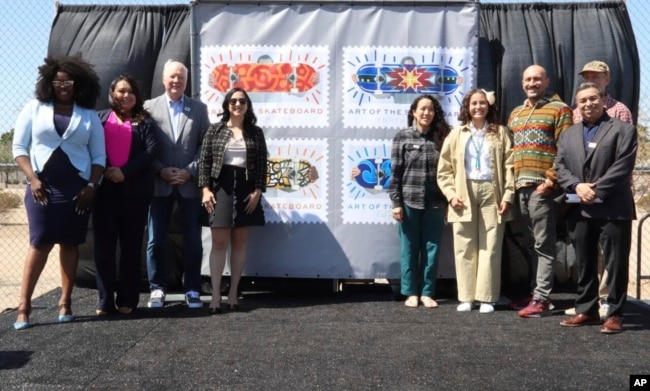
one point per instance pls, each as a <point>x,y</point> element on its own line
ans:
<point>408,78</point>
<point>379,83</point>
<point>366,174</point>
<point>288,84</point>
<point>290,174</point>
<point>297,181</point>
<point>260,77</point>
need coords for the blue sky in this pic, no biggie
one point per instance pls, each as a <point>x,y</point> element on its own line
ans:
<point>25,31</point>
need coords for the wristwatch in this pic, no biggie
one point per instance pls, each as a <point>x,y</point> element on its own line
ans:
<point>93,185</point>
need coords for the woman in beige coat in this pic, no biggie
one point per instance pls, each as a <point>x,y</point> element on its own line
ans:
<point>475,173</point>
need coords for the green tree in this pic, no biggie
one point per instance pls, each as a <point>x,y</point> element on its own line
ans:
<point>6,140</point>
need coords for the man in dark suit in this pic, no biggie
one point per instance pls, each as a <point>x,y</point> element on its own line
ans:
<point>183,122</point>
<point>594,163</point>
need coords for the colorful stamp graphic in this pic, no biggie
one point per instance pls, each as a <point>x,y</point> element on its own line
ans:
<point>366,177</point>
<point>296,185</point>
<point>287,84</point>
<point>256,77</point>
<point>380,83</point>
<point>408,78</point>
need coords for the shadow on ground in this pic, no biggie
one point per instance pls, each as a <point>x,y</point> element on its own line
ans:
<point>305,336</point>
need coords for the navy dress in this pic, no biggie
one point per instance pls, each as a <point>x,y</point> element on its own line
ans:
<point>57,222</point>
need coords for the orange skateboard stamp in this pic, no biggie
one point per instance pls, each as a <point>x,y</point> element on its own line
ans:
<point>264,77</point>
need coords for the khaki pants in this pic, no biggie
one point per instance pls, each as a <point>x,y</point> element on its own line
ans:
<point>477,246</point>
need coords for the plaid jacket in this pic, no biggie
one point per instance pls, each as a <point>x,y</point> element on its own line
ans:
<point>214,146</point>
<point>414,161</point>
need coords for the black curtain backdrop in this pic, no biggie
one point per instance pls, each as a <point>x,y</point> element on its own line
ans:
<point>562,37</point>
<point>136,40</point>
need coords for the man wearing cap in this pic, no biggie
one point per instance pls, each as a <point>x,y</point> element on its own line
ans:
<point>597,72</point>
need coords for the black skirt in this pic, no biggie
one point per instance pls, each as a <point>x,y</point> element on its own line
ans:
<point>57,222</point>
<point>230,189</point>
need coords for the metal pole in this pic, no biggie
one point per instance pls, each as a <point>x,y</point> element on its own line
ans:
<point>194,65</point>
<point>638,256</point>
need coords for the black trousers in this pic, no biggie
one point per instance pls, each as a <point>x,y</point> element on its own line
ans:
<point>615,238</point>
<point>118,218</point>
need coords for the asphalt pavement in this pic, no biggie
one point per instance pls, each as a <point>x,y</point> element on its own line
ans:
<point>304,336</point>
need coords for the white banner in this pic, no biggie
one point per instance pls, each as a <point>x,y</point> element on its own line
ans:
<point>331,84</point>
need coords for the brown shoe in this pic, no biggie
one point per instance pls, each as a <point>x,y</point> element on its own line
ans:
<point>613,324</point>
<point>580,320</point>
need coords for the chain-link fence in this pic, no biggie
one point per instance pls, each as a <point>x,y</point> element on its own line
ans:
<point>25,33</point>
<point>640,264</point>
<point>25,29</point>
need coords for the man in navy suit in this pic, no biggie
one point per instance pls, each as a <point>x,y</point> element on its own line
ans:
<point>594,163</point>
<point>183,122</point>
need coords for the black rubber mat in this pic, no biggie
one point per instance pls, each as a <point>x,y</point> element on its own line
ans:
<point>305,338</point>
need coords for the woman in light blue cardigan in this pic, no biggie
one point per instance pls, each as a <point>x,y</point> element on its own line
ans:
<point>59,146</point>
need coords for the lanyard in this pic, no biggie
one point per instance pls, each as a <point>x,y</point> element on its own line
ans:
<point>478,146</point>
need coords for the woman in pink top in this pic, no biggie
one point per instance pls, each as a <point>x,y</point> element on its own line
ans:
<point>122,202</point>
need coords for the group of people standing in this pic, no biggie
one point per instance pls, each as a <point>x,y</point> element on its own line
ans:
<point>133,163</point>
<point>130,165</point>
<point>480,174</point>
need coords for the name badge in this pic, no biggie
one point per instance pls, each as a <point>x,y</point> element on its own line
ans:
<point>591,145</point>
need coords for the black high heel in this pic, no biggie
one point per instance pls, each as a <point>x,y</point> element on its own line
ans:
<point>215,310</point>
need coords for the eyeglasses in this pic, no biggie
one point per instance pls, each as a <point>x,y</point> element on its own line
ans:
<point>233,101</point>
<point>65,83</point>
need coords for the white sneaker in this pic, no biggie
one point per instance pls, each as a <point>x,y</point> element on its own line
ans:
<point>464,307</point>
<point>486,308</point>
<point>157,299</point>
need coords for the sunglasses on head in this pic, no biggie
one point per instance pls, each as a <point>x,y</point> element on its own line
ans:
<point>233,101</point>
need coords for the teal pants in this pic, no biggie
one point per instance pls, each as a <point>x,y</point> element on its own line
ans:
<point>420,233</point>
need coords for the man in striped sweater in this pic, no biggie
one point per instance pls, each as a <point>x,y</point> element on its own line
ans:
<point>536,126</point>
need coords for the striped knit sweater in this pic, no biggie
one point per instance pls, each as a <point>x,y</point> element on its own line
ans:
<point>535,129</point>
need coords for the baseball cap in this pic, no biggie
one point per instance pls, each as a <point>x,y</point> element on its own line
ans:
<point>595,66</point>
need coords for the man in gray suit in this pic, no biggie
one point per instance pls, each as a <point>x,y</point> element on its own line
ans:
<point>184,122</point>
<point>594,163</point>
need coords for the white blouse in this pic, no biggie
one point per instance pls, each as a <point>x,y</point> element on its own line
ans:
<point>477,155</point>
<point>235,153</point>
